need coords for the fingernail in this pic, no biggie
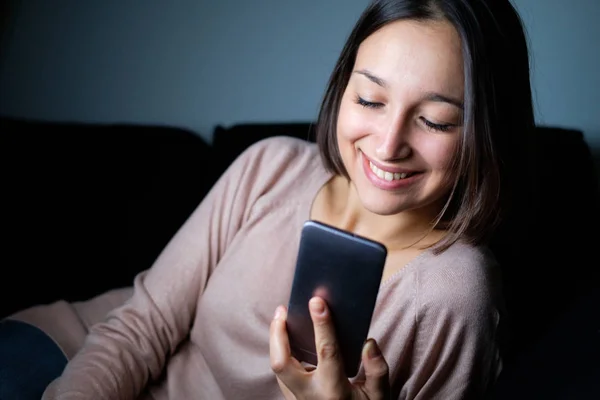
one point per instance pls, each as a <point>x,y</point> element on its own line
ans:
<point>317,306</point>
<point>372,349</point>
<point>277,313</point>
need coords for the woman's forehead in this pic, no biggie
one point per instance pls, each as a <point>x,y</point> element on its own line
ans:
<point>424,53</point>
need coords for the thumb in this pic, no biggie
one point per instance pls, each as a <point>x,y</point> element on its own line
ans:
<point>377,384</point>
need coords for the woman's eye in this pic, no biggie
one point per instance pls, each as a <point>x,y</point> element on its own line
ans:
<point>367,104</point>
<point>437,127</point>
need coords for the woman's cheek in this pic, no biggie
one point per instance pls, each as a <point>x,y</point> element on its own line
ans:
<point>354,124</point>
<point>437,150</point>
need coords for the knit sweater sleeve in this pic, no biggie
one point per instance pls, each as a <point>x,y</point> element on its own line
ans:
<point>456,353</point>
<point>127,351</point>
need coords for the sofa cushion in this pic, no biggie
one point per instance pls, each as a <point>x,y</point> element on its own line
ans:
<point>85,207</point>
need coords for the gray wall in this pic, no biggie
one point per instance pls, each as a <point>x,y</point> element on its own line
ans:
<point>565,45</point>
<point>200,63</point>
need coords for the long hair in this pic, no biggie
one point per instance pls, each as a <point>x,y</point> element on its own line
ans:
<point>498,112</point>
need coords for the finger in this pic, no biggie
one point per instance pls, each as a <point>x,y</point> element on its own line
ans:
<point>377,384</point>
<point>329,359</point>
<point>287,368</point>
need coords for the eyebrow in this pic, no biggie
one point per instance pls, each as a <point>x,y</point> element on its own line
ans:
<point>372,78</point>
<point>429,96</point>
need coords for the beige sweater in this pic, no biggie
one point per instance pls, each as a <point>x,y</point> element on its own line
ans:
<point>197,324</point>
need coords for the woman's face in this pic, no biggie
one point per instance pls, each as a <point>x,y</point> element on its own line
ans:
<point>400,117</point>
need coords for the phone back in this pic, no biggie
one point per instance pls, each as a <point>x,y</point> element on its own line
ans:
<point>345,270</point>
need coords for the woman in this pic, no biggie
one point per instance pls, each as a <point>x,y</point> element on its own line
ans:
<point>424,107</point>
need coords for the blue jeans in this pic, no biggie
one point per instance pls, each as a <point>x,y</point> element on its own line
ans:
<point>29,361</point>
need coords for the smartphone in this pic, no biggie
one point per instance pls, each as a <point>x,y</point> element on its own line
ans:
<point>345,270</point>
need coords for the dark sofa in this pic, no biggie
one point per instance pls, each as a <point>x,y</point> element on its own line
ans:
<point>85,207</point>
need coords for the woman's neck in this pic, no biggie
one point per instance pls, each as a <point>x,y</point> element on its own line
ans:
<point>338,204</point>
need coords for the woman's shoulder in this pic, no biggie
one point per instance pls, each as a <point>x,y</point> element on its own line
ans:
<point>281,150</point>
<point>280,169</point>
<point>282,161</point>
<point>464,258</point>
<point>463,278</point>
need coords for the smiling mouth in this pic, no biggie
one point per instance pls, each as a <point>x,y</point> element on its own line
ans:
<point>389,176</point>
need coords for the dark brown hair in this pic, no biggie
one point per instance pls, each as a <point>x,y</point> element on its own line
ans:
<point>498,111</point>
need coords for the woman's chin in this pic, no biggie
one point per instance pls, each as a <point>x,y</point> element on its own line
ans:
<point>383,207</point>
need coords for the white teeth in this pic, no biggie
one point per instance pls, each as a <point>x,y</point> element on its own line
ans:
<point>388,176</point>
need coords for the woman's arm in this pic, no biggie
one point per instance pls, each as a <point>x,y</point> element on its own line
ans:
<point>455,353</point>
<point>121,355</point>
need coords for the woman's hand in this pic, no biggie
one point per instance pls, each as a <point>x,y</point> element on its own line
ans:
<point>328,380</point>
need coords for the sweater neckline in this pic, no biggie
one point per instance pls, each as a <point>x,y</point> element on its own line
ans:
<point>318,180</point>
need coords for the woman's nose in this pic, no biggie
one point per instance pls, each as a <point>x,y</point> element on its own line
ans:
<point>393,141</point>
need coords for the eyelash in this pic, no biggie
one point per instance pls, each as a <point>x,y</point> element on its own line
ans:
<point>367,104</point>
<point>430,125</point>
<point>436,127</point>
